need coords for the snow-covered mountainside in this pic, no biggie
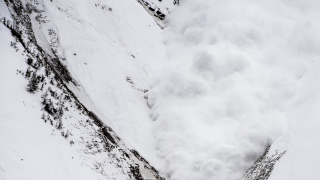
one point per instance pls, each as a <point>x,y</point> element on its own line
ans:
<point>66,104</point>
<point>159,89</point>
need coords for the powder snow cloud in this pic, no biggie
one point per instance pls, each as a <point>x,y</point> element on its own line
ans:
<point>234,66</point>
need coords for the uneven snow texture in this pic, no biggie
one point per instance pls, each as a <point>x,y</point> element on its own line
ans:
<point>105,42</point>
<point>82,144</point>
<point>220,101</point>
<point>234,66</point>
<point>301,138</point>
<point>31,148</point>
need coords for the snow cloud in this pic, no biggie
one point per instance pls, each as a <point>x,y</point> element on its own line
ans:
<point>234,66</point>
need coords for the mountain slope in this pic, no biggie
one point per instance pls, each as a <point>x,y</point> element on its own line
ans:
<point>103,89</point>
<point>95,146</point>
<point>300,139</point>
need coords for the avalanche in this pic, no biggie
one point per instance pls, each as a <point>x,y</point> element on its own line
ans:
<point>235,66</point>
<point>149,89</point>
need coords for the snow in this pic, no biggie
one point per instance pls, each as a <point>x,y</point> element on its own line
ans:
<point>4,10</point>
<point>99,45</point>
<point>30,149</point>
<point>234,67</point>
<point>165,6</point>
<point>300,138</point>
<point>226,80</point>
<point>41,38</point>
<point>102,48</point>
<point>62,156</point>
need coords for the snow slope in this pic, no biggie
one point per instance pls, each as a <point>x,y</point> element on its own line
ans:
<point>105,43</point>
<point>235,65</point>
<point>102,49</point>
<point>226,79</point>
<point>301,137</point>
<point>30,148</point>
<point>92,145</point>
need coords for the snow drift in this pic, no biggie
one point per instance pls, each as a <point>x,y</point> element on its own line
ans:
<point>234,66</point>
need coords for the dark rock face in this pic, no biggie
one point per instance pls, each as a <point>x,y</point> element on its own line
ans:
<point>262,168</point>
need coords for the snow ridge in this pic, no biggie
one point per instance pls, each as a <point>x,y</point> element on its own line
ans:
<point>264,165</point>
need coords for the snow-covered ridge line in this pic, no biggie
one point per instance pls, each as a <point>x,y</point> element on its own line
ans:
<point>263,167</point>
<point>21,29</point>
<point>156,13</point>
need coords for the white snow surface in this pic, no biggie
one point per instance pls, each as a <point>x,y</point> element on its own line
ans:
<point>100,57</point>
<point>29,148</point>
<point>40,36</point>
<point>226,79</point>
<point>301,136</point>
<point>102,49</point>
